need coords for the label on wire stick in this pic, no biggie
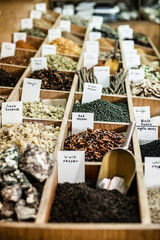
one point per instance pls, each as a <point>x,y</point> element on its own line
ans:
<point>82,121</point>
<point>19,36</point>
<point>11,112</point>
<point>26,23</point>
<point>152,172</point>
<point>103,75</point>
<point>48,49</point>
<point>8,49</point>
<point>31,90</point>
<point>38,63</point>
<point>71,166</point>
<point>91,92</point>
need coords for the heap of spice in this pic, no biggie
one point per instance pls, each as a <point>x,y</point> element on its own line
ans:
<point>151,149</point>
<point>82,202</point>
<point>52,79</point>
<point>41,23</point>
<point>45,136</point>
<point>7,79</point>
<point>34,32</point>
<point>15,60</point>
<point>57,62</point>
<point>76,20</point>
<point>66,46</point>
<point>42,111</point>
<point>25,45</point>
<point>154,200</point>
<point>104,110</point>
<point>95,143</point>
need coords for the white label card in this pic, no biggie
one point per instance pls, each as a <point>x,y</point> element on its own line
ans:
<point>93,36</point>
<point>11,112</point>
<point>68,11</point>
<point>31,90</point>
<point>41,7</point>
<point>130,52</point>
<point>128,33</point>
<point>90,59</point>
<point>65,25</point>
<point>82,121</point>
<point>8,49</point>
<point>91,92</point>
<point>92,46</point>
<point>19,36</point>
<point>35,14</point>
<point>127,45</point>
<point>38,63</point>
<point>133,61</point>
<point>53,34</point>
<point>26,23</point>
<point>152,172</point>
<point>71,166</point>
<point>103,75</point>
<point>97,19</point>
<point>142,112</point>
<point>48,49</point>
<point>147,130</point>
<point>135,74</point>
<point>95,25</point>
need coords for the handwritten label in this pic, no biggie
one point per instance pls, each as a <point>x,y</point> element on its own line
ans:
<point>11,112</point>
<point>90,59</point>
<point>48,49</point>
<point>133,61</point>
<point>91,92</point>
<point>53,34</point>
<point>41,7</point>
<point>152,172</point>
<point>147,130</point>
<point>71,166</point>
<point>35,14</point>
<point>92,46</point>
<point>8,49</point>
<point>127,45</point>
<point>38,63</point>
<point>142,112</point>
<point>31,90</point>
<point>136,74</point>
<point>103,75</point>
<point>19,36</point>
<point>93,36</point>
<point>65,25</point>
<point>81,121</point>
<point>26,23</point>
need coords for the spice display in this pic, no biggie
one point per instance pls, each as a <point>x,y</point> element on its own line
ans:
<point>104,110</point>
<point>25,45</point>
<point>42,111</point>
<point>34,32</point>
<point>56,62</point>
<point>7,79</point>
<point>95,143</point>
<point>117,82</point>
<point>49,17</point>
<point>72,37</point>
<point>154,199</point>
<point>75,19</point>
<point>41,23</point>
<point>82,202</point>
<point>15,60</point>
<point>45,136</point>
<point>66,46</point>
<point>151,149</point>
<point>109,55</point>
<point>52,79</point>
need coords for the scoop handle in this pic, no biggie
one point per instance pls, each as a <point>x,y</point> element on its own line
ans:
<point>128,136</point>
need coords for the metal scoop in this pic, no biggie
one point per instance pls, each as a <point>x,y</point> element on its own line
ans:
<point>119,162</point>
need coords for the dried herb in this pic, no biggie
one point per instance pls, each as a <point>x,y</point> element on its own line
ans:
<point>34,32</point>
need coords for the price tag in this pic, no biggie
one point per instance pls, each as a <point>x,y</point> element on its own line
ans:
<point>127,45</point>
<point>103,75</point>
<point>90,59</point>
<point>128,33</point>
<point>93,36</point>
<point>147,130</point>
<point>8,49</point>
<point>71,166</point>
<point>11,112</point>
<point>65,25</point>
<point>26,23</point>
<point>31,90</point>
<point>68,11</point>
<point>41,7</point>
<point>81,121</point>
<point>97,19</point>
<point>38,63</point>
<point>95,25</point>
<point>142,112</point>
<point>48,49</point>
<point>133,61</point>
<point>91,92</point>
<point>122,28</point>
<point>152,172</point>
<point>135,74</point>
<point>92,46</point>
<point>19,36</point>
<point>35,14</point>
<point>53,34</point>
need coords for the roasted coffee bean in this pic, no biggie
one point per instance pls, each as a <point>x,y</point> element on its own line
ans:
<point>7,79</point>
